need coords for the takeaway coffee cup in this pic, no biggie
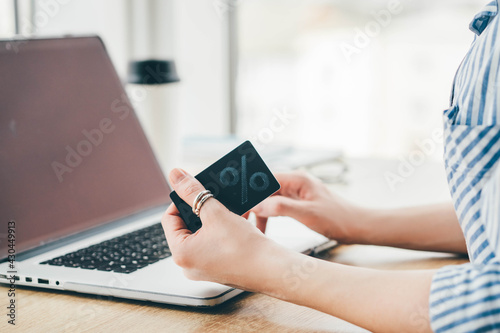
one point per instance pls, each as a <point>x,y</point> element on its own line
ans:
<point>152,91</point>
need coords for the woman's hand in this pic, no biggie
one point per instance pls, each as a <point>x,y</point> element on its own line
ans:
<point>227,249</point>
<point>309,201</point>
<point>429,228</point>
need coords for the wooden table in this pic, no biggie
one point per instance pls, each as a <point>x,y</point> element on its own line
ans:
<point>53,311</point>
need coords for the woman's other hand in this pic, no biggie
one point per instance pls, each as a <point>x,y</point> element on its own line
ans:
<point>309,201</point>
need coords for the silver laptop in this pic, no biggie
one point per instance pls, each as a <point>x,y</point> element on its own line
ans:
<point>81,192</point>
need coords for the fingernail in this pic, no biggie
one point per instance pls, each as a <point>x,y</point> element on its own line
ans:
<point>177,175</point>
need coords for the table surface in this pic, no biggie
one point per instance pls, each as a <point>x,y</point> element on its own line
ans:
<point>44,311</point>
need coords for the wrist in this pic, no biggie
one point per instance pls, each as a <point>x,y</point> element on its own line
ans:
<point>344,221</point>
<point>363,226</point>
<point>277,271</point>
<point>377,227</point>
<point>299,279</point>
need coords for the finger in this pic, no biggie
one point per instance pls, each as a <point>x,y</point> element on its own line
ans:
<point>281,206</point>
<point>188,187</point>
<point>174,227</point>
<point>261,223</point>
<point>293,184</point>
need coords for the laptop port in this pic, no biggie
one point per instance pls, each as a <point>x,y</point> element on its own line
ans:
<point>28,279</point>
<point>43,281</point>
<point>3,276</point>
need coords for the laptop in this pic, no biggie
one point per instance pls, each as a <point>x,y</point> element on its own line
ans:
<point>82,193</point>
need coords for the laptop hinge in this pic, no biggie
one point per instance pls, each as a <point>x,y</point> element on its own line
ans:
<point>87,233</point>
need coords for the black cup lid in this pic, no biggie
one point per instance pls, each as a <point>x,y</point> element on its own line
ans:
<point>152,72</point>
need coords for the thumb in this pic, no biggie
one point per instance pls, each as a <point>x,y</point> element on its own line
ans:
<point>281,206</point>
<point>188,187</point>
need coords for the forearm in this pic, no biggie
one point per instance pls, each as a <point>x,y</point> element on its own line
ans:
<point>430,228</point>
<point>380,301</point>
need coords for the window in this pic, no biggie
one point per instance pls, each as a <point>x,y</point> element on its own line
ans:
<point>356,78</point>
<point>352,78</point>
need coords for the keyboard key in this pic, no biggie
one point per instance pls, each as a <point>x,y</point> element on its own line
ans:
<point>124,254</point>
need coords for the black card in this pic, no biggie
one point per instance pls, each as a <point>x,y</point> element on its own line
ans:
<point>239,180</point>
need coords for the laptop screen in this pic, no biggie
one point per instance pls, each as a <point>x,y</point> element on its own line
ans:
<point>72,152</point>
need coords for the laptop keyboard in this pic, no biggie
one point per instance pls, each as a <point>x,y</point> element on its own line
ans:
<point>123,254</point>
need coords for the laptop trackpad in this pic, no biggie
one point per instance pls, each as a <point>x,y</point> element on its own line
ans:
<point>293,235</point>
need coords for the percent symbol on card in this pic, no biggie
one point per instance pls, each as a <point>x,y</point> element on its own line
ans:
<point>258,181</point>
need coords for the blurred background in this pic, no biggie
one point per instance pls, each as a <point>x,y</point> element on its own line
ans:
<point>364,77</point>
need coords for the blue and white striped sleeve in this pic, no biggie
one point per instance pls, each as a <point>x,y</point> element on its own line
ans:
<point>466,298</point>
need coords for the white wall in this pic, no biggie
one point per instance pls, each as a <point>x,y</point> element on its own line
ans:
<point>6,19</point>
<point>201,48</point>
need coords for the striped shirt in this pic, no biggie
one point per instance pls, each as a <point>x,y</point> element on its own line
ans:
<point>466,298</point>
